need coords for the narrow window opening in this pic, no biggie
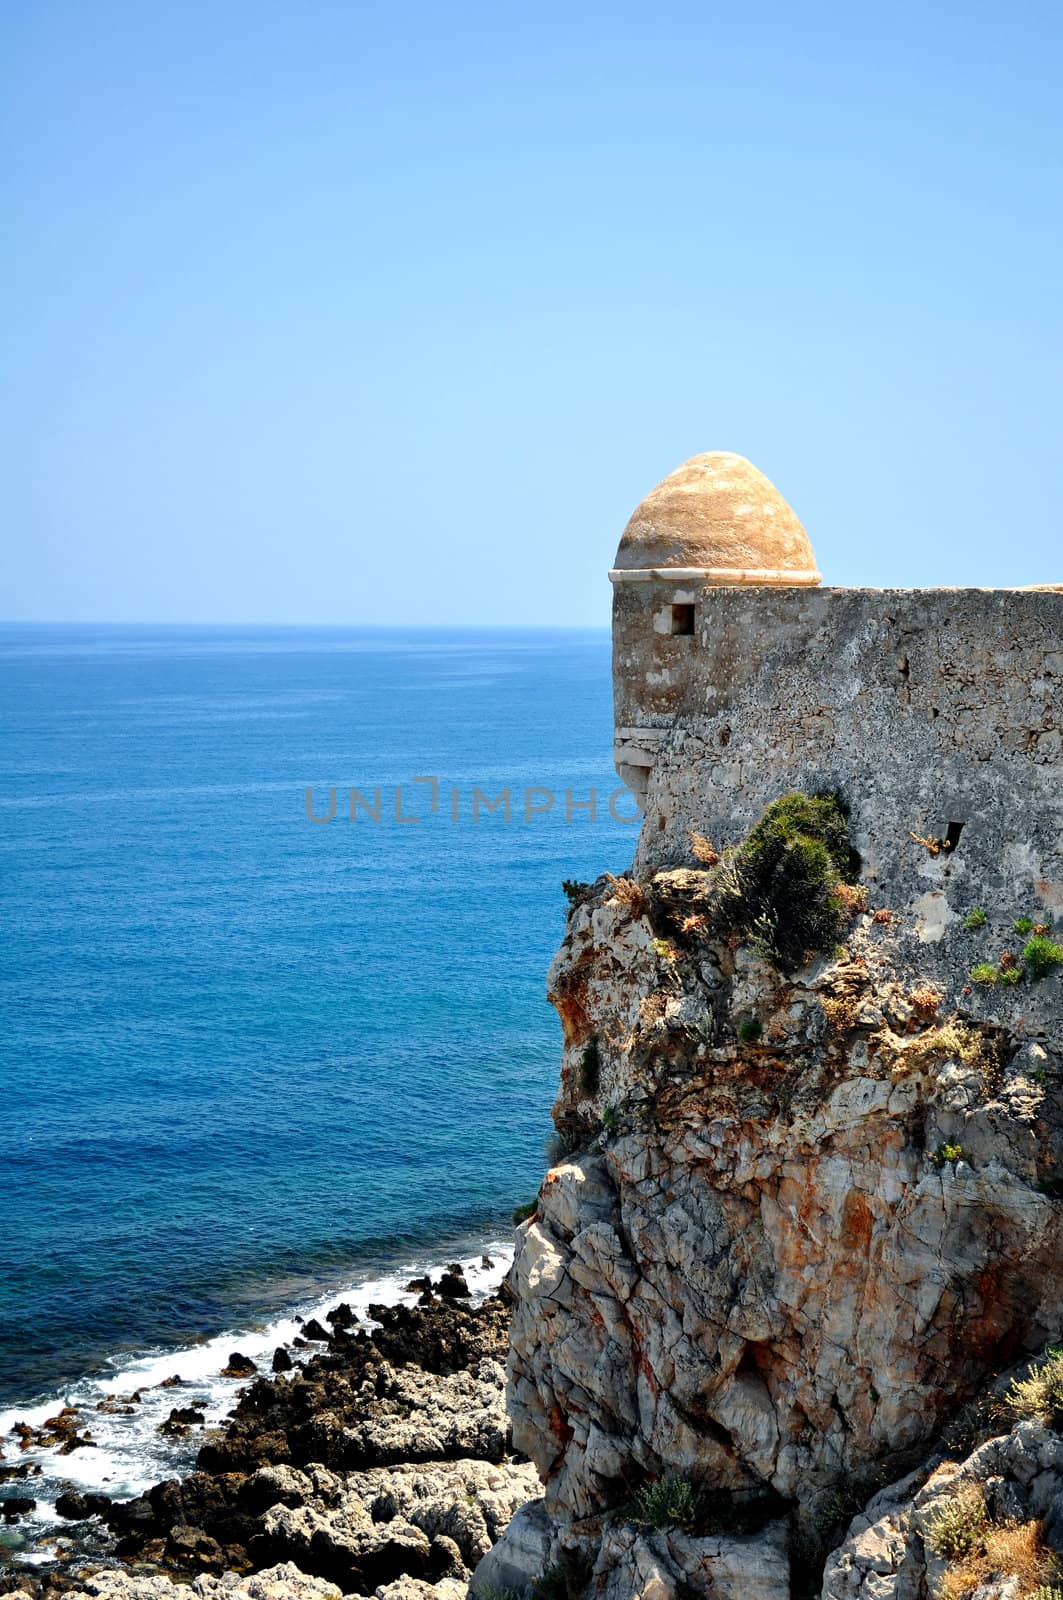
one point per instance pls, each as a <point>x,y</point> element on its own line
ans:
<point>683,619</point>
<point>952,836</point>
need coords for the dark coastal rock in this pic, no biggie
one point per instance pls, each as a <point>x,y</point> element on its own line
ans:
<point>313,1330</point>
<point>37,1588</point>
<point>24,1469</point>
<point>194,1550</point>
<point>15,1506</point>
<point>342,1316</point>
<point>175,1382</point>
<point>181,1419</point>
<point>75,1441</point>
<point>78,1507</point>
<point>419,1285</point>
<point>452,1285</point>
<point>379,1465</point>
<point>239,1366</point>
<point>425,1386</point>
<point>282,1361</point>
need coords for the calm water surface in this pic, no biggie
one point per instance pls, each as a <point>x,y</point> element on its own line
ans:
<point>244,1056</point>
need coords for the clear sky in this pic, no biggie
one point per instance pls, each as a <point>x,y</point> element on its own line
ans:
<point>331,312</point>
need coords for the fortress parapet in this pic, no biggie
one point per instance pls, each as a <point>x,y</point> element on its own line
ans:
<point>934,713</point>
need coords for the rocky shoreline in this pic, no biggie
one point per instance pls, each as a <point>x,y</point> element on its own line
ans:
<point>374,1458</point>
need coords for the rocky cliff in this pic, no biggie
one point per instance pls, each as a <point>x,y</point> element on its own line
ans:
<point>805,1212</point>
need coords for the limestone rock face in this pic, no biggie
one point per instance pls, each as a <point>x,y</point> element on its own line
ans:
<point>667,1564</point>
<point>809,1215</point>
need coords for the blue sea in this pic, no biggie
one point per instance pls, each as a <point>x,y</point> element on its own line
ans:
<point>249,1059</point>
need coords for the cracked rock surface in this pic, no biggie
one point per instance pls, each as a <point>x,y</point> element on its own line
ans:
<point>808,1217</point>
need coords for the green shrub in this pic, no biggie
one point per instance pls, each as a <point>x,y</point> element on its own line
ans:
<point>976,918</point>
<point>1040,1394</point>
<point>522,1213</point>
<point>590,1066</point>
<point>750,1029</point>
<point>958,1526</point>
<point>668,1502</point>
<point>945,1153</point>
<point>984,972</point>
<point>781,888</point>
<point>610,1118</point>
<point>1023,925</point>
<point>1041,955</point>
<point>1011,976</point>
<point>566,1579</point>
<point>575,891</point>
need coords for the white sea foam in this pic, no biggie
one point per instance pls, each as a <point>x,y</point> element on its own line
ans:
<point>129,1453</point>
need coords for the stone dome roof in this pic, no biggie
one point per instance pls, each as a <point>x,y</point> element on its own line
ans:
<point>717,517</point>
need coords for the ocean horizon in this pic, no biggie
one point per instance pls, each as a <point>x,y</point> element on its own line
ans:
<point>251,1059</point>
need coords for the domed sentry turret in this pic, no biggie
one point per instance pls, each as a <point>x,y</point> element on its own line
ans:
<point>715,521</point>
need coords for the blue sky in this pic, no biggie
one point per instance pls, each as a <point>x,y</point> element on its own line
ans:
<point>341,313</point>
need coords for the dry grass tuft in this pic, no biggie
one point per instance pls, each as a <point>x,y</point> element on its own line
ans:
<point>955,1040</point>
<point>1005,1550</point>
<point>883,915</point>
<point>703,850</point>
<point>852,897</point>
<point>629,893</point>
<point>696,923</point>
<point>1041,1394</point>
<point>925,1000</point>
<point>841,1011</point>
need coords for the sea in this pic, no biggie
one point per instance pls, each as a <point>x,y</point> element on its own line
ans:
<point>277,909</point>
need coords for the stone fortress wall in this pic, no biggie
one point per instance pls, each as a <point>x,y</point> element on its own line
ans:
<point>933,712</point>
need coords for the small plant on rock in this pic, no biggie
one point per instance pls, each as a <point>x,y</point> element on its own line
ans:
<point>629,892</point>
<point>702,849</point>
<point>750,1029</point>
<point>1040,1394</point>
<point>959,1525</point>
<point>1023,926</point>
<point>1012,1549</point>
<point>610,1119</point>
<point>782,886</point>
<point>668,1502</point>
<point>976,918</point>
<point>925,1000</point>
<point>1041,956</point>
<point>522,1213</point>
<point>565,1579</point>
<point>984,972</point>
<point>946,1153</point>
<point>575,890</point>
<point>957,1040</point>
<point>590,1066</point>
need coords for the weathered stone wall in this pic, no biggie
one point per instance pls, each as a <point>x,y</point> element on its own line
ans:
<point>921,707</point>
